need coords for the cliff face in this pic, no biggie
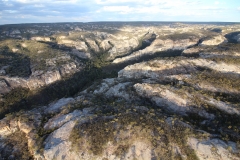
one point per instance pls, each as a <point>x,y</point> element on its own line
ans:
<point>175,94</point>
<point>39,78</point>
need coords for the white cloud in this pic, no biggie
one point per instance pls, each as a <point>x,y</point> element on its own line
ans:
<point>114,1</point>
<point>133,10</point>
<point>166,7</point>
<point>121,9</point>
<point>211,8</point>
<point>150,2</point>
<point>46,1</point>
<point>9,4</point>
<point>11,11</point>
<point>56,12</point>
<point>67,1</point>
<point>139,2</point>
<point>27,1</point>
<point>39,5</point>
<point>150,10</point>
<point>101,10</point>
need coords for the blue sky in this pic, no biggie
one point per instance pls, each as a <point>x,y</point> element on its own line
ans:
<point>38,11</point>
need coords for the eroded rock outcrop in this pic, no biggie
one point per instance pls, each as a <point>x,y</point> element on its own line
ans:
<point>122,47</point>
<point>114,88</point>
<point>171,99</point>
<point>214,41</point>
<point>46,39</point>
<point>38,78</point>
<point>161,68</point>
<point>237,38</point>
<point>213,149</point>
<point>158,46</point>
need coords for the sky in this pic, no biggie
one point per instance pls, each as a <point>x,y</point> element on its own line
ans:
<point>45,11</point>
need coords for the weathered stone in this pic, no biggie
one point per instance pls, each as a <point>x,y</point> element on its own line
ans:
<point>157,46</point>
<point>105,45</point>
<point>80,45</point>
<point>59,105</point>
<point>161,68</point>
<point>169,99</point>
<point>4,87</point>
<point>214,41</point>
<point>93,45</point>
<point>237,38</point>
<point>60,120</point>
<point>213,149</point>
<point>47,39</point>
<point>122,47</point>
<point>81,54</point>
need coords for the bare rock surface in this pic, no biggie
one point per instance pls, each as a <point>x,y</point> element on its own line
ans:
<point>59,120</point>
<point>228,108</point>
<point>122,47</point>
<point>81,54</point>
<point>213,149</point>
<point>238,38</point>
<point>157,46</point>
<point>46,39</point>
<point>4,87</point>
<point>105,45</point>
<point>7,128</point>
<point>214,41</point>
<point>57,144</point>
<point>92,44</point>
<point>113,88</point>
<point>59,105</point>
<point>160,68</point>
<point>169,99</point>
<point>38,78</point>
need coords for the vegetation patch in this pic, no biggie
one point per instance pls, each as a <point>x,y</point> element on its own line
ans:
<point>127,125</point>
<point>228,82</point>
<point>233,60</point>
<point>14,101</point>
<point>223,124</point>
<point>16,147</point>
<point>15,64</point>
<point>231,37</point>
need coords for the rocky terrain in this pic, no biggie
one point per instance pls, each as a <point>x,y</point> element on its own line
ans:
<point>114,91</point>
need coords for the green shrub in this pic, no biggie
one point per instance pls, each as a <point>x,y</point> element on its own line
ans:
<point>17,145</point>
<point>127,126</point>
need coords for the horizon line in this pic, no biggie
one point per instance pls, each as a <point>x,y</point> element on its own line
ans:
<point>124,22</point>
